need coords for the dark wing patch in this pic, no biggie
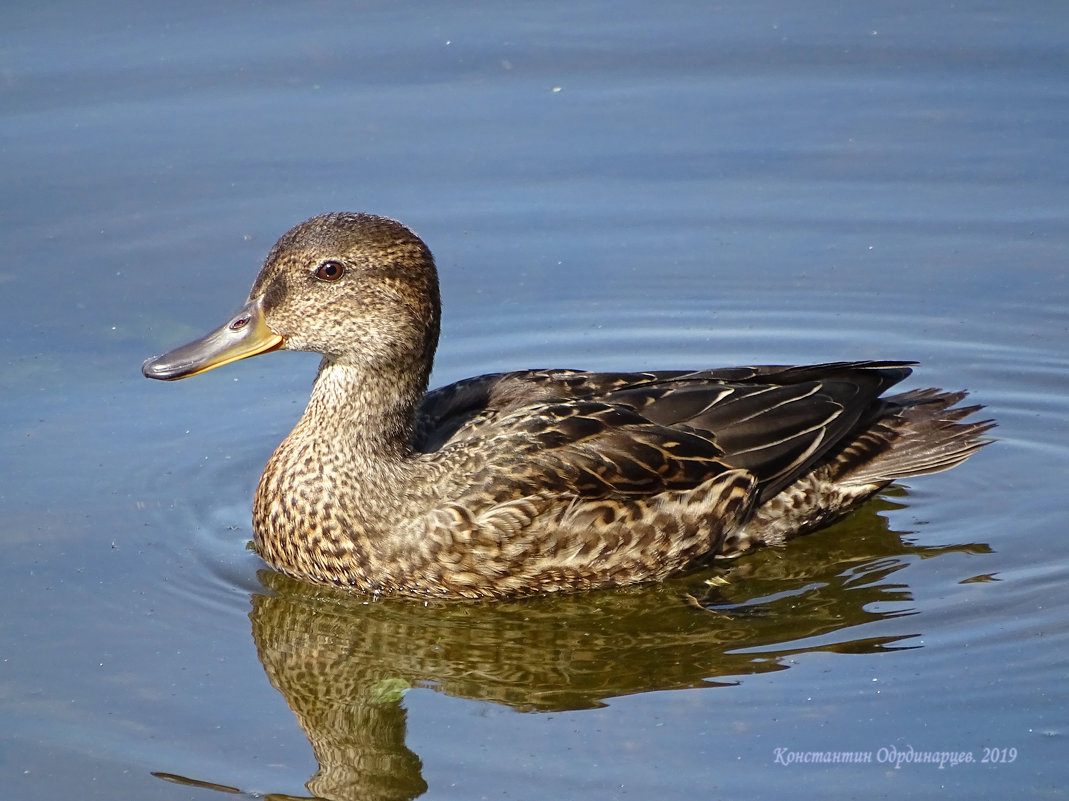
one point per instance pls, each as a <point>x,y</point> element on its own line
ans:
<point>777,422</point>
<point>598,450</point>
<point>600,434</point>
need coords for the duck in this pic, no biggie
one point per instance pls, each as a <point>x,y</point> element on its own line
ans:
<point>542,480</point>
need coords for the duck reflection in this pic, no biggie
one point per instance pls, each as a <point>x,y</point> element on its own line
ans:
<point>343,662</point>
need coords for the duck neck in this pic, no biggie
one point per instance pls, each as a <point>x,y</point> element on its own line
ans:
<point>371,416</point>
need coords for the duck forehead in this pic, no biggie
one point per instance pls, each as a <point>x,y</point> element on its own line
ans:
<point>279,272</point>
<point>295,254</point>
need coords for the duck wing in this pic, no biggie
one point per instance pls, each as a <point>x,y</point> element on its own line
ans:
<point>632,434</point>
<point>776,422</point>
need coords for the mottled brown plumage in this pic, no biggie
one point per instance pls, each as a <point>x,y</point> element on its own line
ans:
<point>545,480</point>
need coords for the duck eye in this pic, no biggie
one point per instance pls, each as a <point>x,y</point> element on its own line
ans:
<point>330,271</point>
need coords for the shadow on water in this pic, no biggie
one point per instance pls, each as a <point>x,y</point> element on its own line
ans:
<point>343,662</point>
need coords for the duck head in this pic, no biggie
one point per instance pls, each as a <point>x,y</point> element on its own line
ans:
<point>359,289</point>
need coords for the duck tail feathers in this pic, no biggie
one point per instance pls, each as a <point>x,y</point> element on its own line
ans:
<point>917,433</point>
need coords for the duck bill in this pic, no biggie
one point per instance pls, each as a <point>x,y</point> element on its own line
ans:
<point>246,334</point>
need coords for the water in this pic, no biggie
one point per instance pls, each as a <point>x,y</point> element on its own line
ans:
<point>605,186</point>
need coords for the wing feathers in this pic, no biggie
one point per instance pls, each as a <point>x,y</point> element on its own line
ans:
<point>633,434</point>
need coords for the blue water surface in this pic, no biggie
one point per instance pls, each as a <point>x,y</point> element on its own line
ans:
<point>606,186</point>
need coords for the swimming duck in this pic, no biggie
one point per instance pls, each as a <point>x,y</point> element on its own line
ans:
<point>540,480</point>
